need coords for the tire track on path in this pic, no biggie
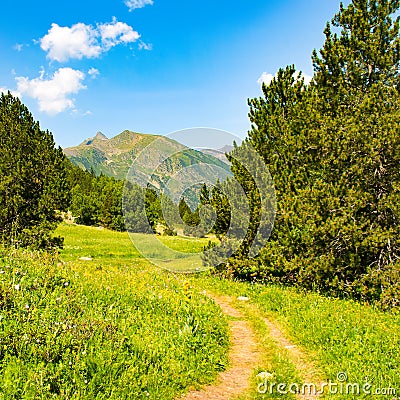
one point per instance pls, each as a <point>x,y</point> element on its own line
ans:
<point>244,356</point>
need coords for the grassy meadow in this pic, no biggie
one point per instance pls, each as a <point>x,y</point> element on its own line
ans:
<point>174,253</point>
<point>98,321</point>
<point>111,328</point>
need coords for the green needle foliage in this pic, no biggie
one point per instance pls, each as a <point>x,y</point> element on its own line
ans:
<point>32,179</point>
<point>365,51</point>
<point>333,149</point>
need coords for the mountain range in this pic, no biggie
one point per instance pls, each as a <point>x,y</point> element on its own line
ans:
<point>144,156</point>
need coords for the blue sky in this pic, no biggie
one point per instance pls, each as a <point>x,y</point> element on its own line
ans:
<point>151,66</point>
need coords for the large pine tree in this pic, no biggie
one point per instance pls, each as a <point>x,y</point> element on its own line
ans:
<point>333,149</point>
<point>33,186</point>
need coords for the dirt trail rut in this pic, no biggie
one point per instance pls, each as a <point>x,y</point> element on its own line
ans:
<point>243,356</point>
<point>306,369</point>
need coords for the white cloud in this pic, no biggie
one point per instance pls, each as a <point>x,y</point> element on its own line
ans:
<point>53,94</point>
<point>134,4</point>
<point>63,43</point>
<point>93,72</point>
<point>18,47</point>
<point>145,46</point>
<point>307,78</point>
<point>116,33</point>
<point>267,78</point>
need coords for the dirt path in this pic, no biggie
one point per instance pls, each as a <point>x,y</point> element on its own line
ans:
<point>305,368</point>
<point>243,356</point>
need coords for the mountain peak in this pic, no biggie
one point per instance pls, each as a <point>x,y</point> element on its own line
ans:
<point>115,156</point>
<point>100,136</point>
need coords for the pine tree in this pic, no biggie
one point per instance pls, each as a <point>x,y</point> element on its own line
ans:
<point>333,149</point>
<point>184,209</point>
<point>222,209</point>
<point>204,195</point>
<point>153,208</point>
<point>33,185</point>
<point>362,49</point>
<point>133,204</point>
<point>110,209</point>
<point>357,80</point>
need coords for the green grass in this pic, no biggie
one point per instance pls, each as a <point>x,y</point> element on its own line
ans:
<point>338,335</point>
<point>111,328</point>
<point>118,327</point>
<point>176,254</point>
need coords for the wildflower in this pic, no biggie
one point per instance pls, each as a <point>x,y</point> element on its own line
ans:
<point>17,286</point>
<point>27,306</point>
<point>66,284</point>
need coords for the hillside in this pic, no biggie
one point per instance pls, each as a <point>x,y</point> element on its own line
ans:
<point>219,153</point>
<point>114,157</point>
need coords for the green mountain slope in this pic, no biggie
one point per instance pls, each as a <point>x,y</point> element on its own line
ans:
<point>161,159</point>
